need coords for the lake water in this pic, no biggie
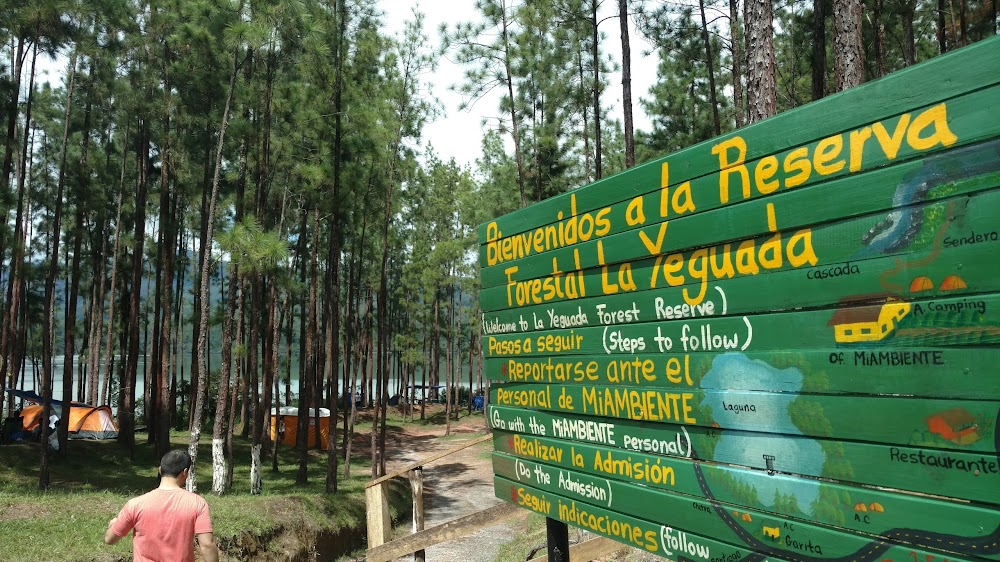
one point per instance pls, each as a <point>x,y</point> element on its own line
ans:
<point>57,387</point>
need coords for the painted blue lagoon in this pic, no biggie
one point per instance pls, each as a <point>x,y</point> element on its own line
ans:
<point>770,413</point>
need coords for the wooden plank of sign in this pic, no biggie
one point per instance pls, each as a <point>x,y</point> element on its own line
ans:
<point>953,74</point>
<point>940,271</point>
<point>868,194</point>
<point>785,535</point>
<point>635,532</point>
<point>928,373</point>
<point>864,510</point>
<point>855,194</point>
<point>964,425</point>
<point>696,216</point>
<point>885,323</point>
<point>913,467</point>
<point>966,219</point>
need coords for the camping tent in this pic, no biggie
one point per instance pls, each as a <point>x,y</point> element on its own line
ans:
<point>85,422</point>
<point>288,418</point>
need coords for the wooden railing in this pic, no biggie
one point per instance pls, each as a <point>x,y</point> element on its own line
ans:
<point>379,526</point>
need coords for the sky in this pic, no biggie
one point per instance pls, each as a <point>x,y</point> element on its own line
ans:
<point>458,133</point>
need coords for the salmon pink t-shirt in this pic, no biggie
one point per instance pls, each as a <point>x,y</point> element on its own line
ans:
<point>165,523</point>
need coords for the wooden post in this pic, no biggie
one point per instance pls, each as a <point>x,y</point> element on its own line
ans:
<point>377,506</point>
<point>416,477</point>
<point>557,534</point>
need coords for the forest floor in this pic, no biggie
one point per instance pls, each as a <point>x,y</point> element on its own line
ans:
<point>461,484</point>
<point>289,521</point>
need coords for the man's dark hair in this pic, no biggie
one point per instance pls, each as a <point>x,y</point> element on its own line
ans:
<point>174,462</point>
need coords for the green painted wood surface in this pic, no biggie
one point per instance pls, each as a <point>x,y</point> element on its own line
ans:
<point>632,531</point>
<point>951,75</point>
<point>913,467</point>
<point>792,534</point>
<point>797,289</point>
<point>962,220</point>
<point>929,373</point>
<point>966,425</point>
<point>677,544</point>
<point>927,323</point>
<point>664,230</point>
<point>858,194</point>
<point>814,344</point>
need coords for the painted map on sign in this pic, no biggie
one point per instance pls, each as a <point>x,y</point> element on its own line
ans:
<point>780,343</point>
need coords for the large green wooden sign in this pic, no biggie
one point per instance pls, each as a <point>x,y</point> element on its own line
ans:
<point>782,343</point>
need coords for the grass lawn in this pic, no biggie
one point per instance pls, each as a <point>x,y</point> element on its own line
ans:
<point>67,521</point>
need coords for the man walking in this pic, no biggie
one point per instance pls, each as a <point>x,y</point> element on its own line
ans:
<point>166,519</point>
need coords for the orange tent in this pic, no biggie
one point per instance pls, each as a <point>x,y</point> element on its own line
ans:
<point>288,419</point>
<point>85,422</point>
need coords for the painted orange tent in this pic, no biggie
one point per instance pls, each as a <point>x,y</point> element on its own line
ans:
<point>85,422</point>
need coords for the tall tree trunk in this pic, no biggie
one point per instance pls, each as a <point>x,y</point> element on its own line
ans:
<point>279,422</point>
<point>168,232</point>
<point>203,244</point>
<point>848,55</point>
<point>819,49</point>
<point>735,41</point>
<point>350,354</point>
<point>260,402</point>
<point>472,347</point>
<point>449,341</point>
<point>879,13</point>
<point>333,259</point>
<point>596,54</point>
<point>709,56</point>
<point>225,375</point>
<point>198,406</point>
<point>509,79</point>
<point>233,394</point>
<point>113,283</point>
<point>942,33</point>
<point>962,24</point>
<point>50,292</point>
<point>69,326</point>
<point>15,90</point>
<point>97,317</point>
<point>909,42</point>
<point>308,377</point>
<point>586,121</point>
<point>361,346</point>
<point>761,84</point>
<point>177,363</point>
<point>436,342</point>
<point>126,415</point>
<point>425,353</point>
<point>15,279</point>
<point>626,92</point>
<point>378,447</point>
<point>154,359</point>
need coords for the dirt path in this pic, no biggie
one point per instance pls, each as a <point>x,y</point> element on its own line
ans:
<point>459,484</point>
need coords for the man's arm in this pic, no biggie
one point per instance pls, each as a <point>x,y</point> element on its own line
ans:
<point>109,536</point>
<point>209,550</point>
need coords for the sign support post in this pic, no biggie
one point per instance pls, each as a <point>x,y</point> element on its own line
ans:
<point>557,536</point>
